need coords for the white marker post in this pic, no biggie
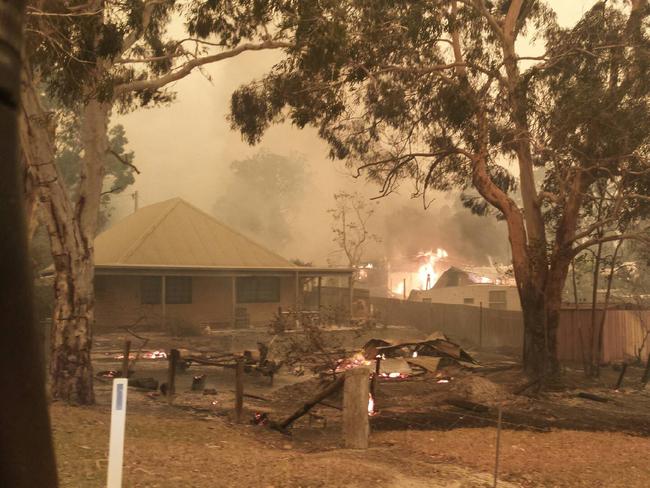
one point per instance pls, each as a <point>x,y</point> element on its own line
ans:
<point>116,443</point>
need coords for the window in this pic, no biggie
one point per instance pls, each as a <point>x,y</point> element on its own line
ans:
<point>258,289</point>
<point>468,301</point>
<point>150,290</point>
<point>101,286</point>
<point>178,289</point>
<point>498,299</point>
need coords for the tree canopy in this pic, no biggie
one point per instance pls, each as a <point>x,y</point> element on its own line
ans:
<point>262,196</point>
<point>437,93</point>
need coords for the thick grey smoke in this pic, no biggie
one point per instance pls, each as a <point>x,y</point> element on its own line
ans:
<point>186,149</point>
<point>467,238</point>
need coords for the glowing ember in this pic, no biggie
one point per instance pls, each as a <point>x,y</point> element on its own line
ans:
<point>371,406</point>
<point>121,356</point>
<point>415,354</point>
<point>155,355</point>
<point>393,375</point>
<point>443,381</point>
<point>355,361</point>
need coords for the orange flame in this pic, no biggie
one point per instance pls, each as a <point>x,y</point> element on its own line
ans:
<point>427,275</point>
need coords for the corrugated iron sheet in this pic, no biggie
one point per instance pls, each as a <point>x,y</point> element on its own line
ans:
<point>175,233</point>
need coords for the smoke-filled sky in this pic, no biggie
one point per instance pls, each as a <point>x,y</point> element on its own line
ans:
<point>186,149</point>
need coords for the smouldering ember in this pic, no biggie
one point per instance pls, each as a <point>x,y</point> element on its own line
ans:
<point>394,375</point>
<point>155,355</point>
<point>349,363</point>
<point>371,405</point>
<point>146,355</point>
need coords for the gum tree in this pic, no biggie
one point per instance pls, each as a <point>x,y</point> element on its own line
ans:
<point>438,92</point>
<point>98,57</point>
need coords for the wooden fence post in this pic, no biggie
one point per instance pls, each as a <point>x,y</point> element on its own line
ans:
<point>171,374</point>
<point>646,374</point>
<point>239,389</point>
<point>480,326</point>
<point>496,461</point>
<point>375,379</point>
<point>356,427</point>
<point>125,359</point>
<point>620,377</point>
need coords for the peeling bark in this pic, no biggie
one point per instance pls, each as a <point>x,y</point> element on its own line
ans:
<point>71,231</point>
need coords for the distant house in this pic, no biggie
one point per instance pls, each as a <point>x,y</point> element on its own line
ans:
<point>172,262</point>
<point>472,286</point>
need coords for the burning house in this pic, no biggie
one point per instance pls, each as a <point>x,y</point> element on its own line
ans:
<point>476,286</point>
<point>172,262</point>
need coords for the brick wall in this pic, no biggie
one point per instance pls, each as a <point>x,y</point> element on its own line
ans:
<point>118,304</point>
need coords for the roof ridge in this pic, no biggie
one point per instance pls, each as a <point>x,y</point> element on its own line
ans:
<point>134,247</point>
<point>236,232</point>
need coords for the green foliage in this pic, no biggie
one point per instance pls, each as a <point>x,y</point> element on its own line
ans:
<point>70,49</point>
<point>262,195</point>
<point>368,76</point>
<point>118,175</point>
<point>361,73</point>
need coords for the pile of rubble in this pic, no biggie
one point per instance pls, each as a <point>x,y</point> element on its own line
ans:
<point>414,358</point>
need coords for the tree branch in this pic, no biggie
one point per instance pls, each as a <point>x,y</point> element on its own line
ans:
<point>480,5</point>
<point>123,161</point>
<point>642,236</point>
<point>510,23</point>
<point>133,36</point>
<point>187,68</point>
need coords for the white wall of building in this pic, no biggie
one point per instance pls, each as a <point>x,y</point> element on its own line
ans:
<point>491,296</point>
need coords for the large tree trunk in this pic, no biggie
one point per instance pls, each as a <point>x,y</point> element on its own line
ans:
<point>74,311</point>
<point>71,231</point>
<point>541,313</point>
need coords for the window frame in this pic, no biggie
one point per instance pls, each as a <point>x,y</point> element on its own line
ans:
<point>175,285</point>
<point>256,292</point>
<point>498,304</point>
<point>155,284</point>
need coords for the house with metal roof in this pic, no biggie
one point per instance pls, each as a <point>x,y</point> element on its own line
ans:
<point>171,262</point>
<point>477,286</point>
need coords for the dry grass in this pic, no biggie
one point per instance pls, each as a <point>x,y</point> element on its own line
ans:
<point>556,459</point>
<point>171,448</point>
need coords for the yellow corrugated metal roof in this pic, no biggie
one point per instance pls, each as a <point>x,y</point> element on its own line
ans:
<point>175,233</point>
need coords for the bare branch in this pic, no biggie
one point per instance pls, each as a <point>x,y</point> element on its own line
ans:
<point>641,236</point>
<point>34,12</point>
<point>123,161</point>
<point>115,189</point>
<point>133,36</point>
<point>187,68</point>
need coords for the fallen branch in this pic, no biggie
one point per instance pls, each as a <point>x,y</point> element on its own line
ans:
<point>591,396</point>
<point>312,402</point>
<point>467,405</point>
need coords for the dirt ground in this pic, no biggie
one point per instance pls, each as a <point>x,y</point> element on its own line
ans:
<point>418,439</point>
